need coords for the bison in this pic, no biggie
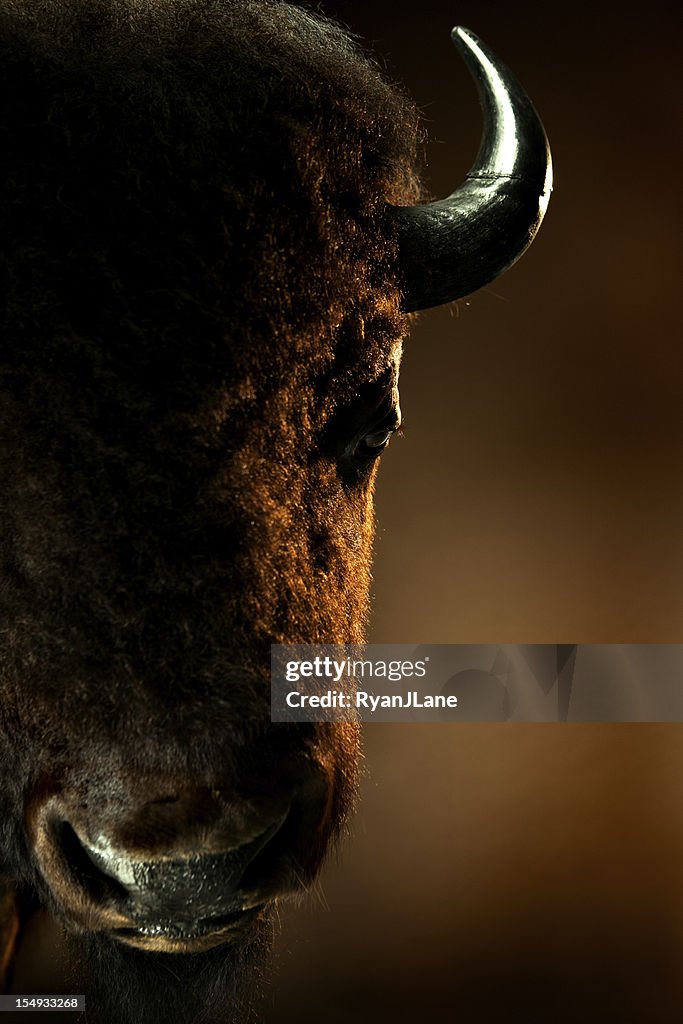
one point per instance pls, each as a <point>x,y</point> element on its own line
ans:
<point>213,235</point>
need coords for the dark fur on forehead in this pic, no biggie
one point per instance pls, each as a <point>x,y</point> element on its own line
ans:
<point>196,170</point>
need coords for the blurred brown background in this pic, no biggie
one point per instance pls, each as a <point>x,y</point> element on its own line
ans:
<point>526,873</point>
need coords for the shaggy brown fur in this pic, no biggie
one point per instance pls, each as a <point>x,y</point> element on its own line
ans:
<point>200,313</point>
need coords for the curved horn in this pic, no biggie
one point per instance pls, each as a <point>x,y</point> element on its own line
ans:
<point>451,247</point>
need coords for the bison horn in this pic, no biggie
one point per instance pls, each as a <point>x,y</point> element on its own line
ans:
<point>451,247</point>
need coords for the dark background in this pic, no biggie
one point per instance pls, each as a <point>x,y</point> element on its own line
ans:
<point>526,873</point>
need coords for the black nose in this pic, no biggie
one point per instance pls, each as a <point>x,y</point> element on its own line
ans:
<point>179,866</point>
<point>183,890</point>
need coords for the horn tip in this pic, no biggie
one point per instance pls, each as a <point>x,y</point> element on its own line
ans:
<point>462,36</point>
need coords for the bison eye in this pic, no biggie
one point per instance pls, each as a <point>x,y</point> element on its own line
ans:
<point>373,444</point>
<point>373,438</point>
<point>361,429</point>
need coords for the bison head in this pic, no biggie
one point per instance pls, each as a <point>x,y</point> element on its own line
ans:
<point>207,257</point>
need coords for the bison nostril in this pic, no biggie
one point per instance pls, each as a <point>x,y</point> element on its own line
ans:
<point>273,862</point>
<point>195,863</point>
<point>180,890</point>
<point>104,888</point>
